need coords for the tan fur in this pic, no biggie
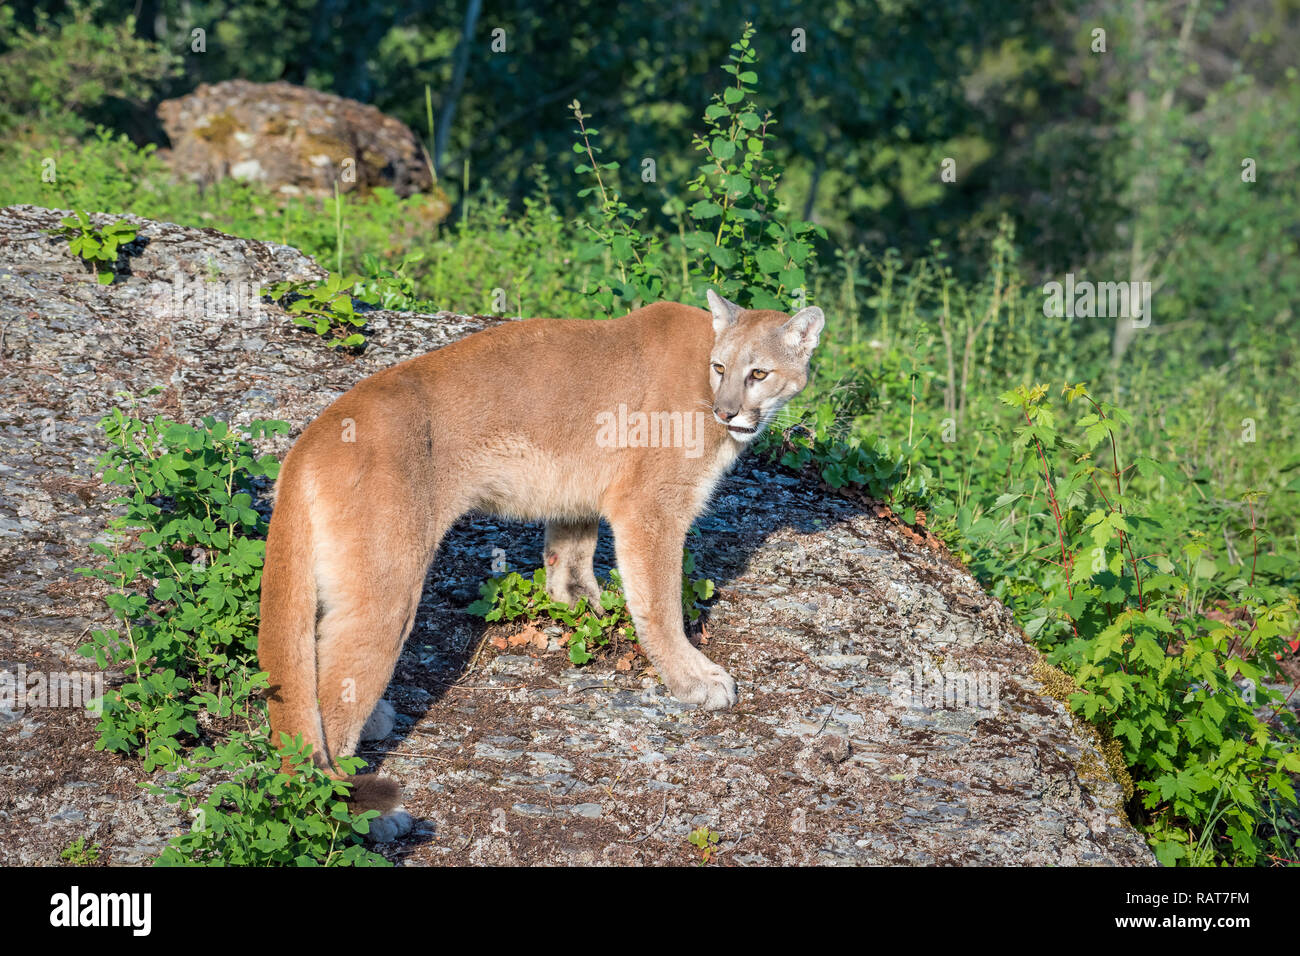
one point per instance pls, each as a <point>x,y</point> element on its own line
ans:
<point>505,422</point>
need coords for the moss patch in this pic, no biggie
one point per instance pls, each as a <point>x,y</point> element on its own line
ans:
<point>218,129</point>
<point>314,144</point>
<point>1059,685</point>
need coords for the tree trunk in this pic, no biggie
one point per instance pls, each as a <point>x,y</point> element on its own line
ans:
<point>457,82</point>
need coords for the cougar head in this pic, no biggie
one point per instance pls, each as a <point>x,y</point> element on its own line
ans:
<point>758,363</point>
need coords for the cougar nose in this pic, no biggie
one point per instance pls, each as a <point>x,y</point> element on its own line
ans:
<point>727,416</point>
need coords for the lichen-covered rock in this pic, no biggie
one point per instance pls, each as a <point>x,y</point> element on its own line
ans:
<point>890,711</point>
<point>292,138</point>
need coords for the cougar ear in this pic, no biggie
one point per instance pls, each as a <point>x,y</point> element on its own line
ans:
<point>724,312</point>
<point>803,329</point>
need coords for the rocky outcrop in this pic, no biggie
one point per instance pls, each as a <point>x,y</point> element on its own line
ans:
<point>291,138</point>
<point>890,711</point>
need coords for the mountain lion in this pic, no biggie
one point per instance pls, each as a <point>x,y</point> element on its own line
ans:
<point>514,420</point>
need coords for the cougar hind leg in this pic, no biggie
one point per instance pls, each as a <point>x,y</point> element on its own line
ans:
<point>568,554</point>
<point>360,639</point>
<point>370,593</point>
<point>360,642</point>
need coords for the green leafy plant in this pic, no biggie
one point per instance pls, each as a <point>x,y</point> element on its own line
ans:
<point>737,237</point>
<point>1173,654</point>
<point>78,853</point>
<point>388,288</point>
<point>1173,650</point>
<point>99,247</point>
<point>185,567</point>
<point>757,251</point>
<point>613,225</point>
<point>706,841</point>
<point>259,815</point>
<point>514,596</point>
<point>695,590</point>
<point>881,469</point>
<point>328,308</point>
<point>59,70</point>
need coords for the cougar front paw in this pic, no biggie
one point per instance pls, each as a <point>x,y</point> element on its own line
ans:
<point>704,684</point>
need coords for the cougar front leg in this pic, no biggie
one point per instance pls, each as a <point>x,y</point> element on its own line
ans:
<point>570,549</point>
<point>649,551</point>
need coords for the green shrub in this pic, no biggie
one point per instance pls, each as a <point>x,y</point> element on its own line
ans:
<point>258,815</point>
<point>78,853</point>
<point>757,252</point>
<point>613,226</point>
<point>737,238</point>
<point>98,247</point>
<point>102,172</point>
<point>1171,650</point>
<point>513,596</point>
<point>185,567</point>
<point>58,73</point>
<point>326,308</point>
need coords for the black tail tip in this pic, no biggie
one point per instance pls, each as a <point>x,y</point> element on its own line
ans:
<point>371,792</point>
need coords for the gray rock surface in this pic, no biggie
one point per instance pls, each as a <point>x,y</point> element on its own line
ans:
<point>827,613</point>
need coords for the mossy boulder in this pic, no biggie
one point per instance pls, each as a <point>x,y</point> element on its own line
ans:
<point>297,140</point>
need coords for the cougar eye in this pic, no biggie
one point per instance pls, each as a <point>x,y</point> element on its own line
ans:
<point>758,374</point>
<point>717,368</point>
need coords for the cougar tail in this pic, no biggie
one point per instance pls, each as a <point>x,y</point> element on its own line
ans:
<point>286,641</point>
<point>286,637</point>
<point>373,792</point>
